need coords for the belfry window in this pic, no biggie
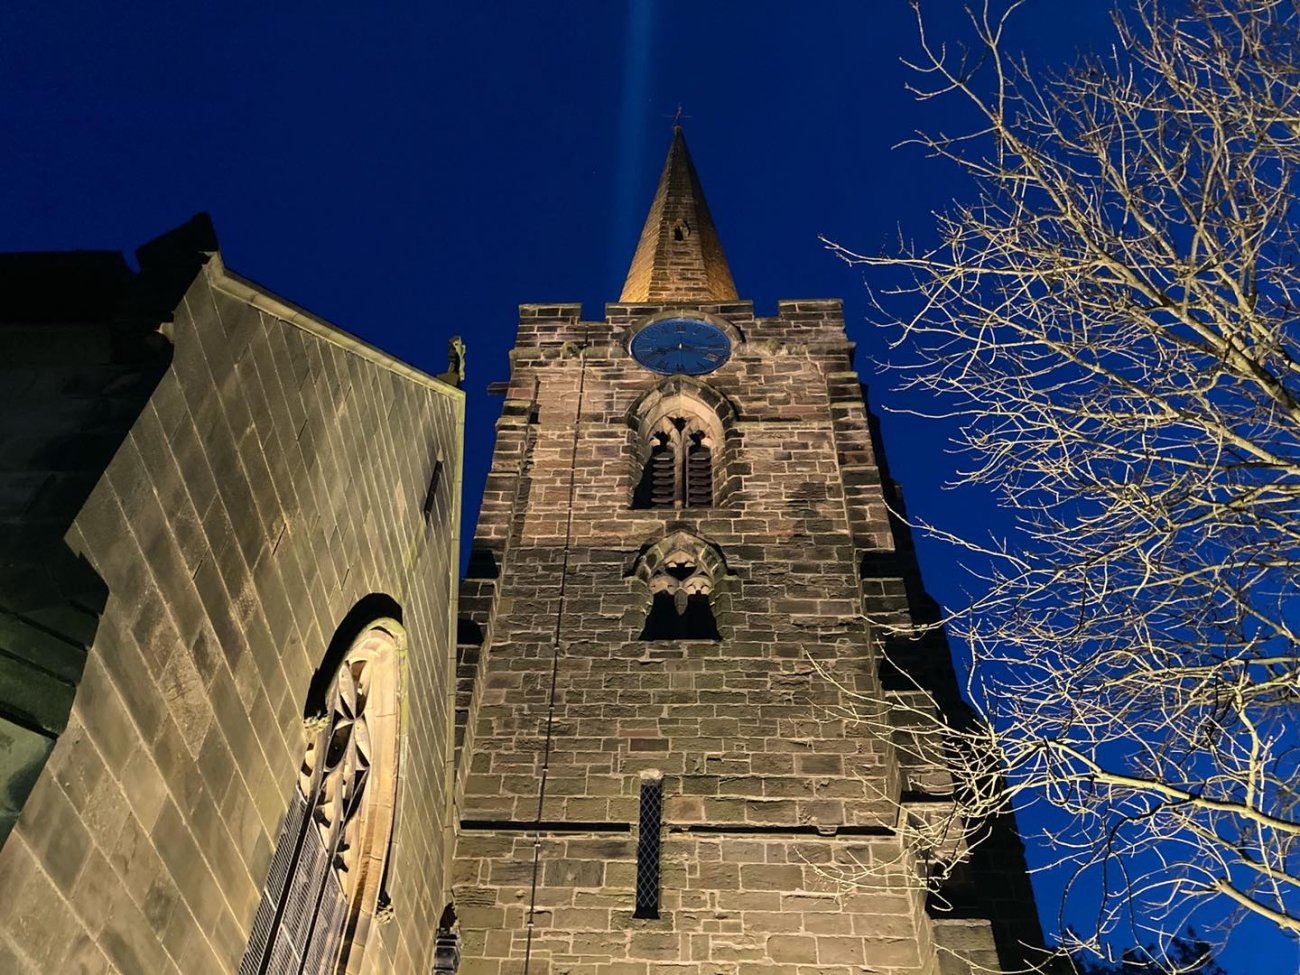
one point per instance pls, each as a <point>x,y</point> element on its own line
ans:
<point>678,469</point>
<point>678,452</point>
<point>681,606</point>
<point>323,887</point>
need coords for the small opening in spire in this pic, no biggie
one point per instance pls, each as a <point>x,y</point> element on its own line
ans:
<point>681,230</point>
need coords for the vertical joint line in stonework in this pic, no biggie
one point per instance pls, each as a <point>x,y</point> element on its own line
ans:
<point>555,649</point>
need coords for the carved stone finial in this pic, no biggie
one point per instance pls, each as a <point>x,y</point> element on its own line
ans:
<point>455,374</point>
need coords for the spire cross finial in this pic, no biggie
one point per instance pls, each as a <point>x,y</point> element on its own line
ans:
<point>677,118</point>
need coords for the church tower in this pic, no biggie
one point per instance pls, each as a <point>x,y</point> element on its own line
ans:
<point>671,674</point>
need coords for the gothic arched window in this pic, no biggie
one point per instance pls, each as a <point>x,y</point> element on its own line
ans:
<point>678,469</point>
<point>323,888</point>
<point>681,572</point>
<point>679,457</point>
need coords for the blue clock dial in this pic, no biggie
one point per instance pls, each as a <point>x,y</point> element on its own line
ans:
<point>681,345</point>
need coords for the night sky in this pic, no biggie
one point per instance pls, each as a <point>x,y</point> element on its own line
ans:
<point>410,171</point>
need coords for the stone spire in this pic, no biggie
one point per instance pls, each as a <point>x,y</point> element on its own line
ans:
<point>679,254</point>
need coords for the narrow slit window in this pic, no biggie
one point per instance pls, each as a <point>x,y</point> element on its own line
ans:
<point>431,495</point>
<point>661,474</point>
<point>699,473</point>
<point>647,849</point>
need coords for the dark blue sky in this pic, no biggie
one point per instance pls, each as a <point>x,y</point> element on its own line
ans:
<point>414,170</point>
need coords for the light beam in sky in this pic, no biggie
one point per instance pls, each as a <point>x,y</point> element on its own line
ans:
<point>630,149</point>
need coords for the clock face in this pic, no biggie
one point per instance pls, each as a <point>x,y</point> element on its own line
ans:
<point>681,345</point>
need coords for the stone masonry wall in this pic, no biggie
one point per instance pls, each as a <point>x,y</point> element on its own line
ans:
<point>277,476</point>
<point>80,354</point>
<point>771,796</point>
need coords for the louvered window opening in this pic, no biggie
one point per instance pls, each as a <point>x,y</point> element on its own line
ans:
<point>679,469</point>
<point>647,850</point>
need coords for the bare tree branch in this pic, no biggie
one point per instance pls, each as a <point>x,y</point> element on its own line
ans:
<point>1113,321</point>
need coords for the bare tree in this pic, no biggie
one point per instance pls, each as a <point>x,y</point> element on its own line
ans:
<point>1113,322</point>
<point>1188,953</point>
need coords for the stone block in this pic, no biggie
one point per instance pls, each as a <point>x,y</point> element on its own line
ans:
<point>23,753</point>
<point>52,827</point>
<point>792,949</point>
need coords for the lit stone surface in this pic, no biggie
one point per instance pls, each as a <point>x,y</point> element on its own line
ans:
<point>567,702</point>
<point>758,762</point>
<point>275,475</point>
<point>679,254</point>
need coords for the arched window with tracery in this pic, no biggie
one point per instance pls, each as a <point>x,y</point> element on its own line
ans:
<point>682,573</point>
<point>680,459</point>
<point>323,888</point>
<point>678,471</point>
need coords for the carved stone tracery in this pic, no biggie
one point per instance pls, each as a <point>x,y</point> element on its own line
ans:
<point>323,891</point>
<point>680,457</point>
<point>681,572</point>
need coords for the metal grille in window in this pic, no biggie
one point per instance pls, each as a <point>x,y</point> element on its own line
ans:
<point>647,850</point>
